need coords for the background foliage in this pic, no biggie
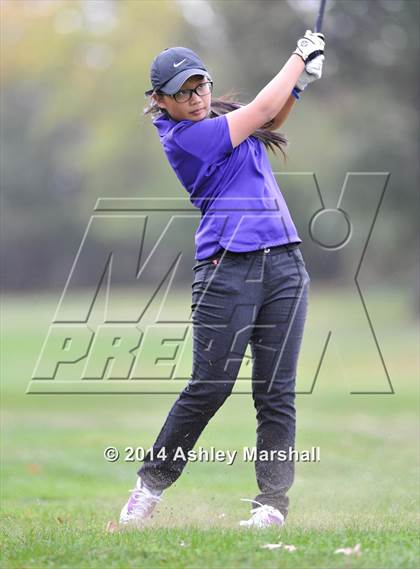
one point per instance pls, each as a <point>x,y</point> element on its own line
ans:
<point>73,75</point>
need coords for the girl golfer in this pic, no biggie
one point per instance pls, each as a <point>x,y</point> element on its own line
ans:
<point>250,281</point>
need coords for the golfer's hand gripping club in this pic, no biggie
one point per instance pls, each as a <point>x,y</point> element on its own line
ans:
<point>310,46</point>
<point>312,72</point>
<point>314,45</point>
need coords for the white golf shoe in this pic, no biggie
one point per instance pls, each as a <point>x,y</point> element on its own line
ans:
<point>140,505</point>
<point>263,516</point>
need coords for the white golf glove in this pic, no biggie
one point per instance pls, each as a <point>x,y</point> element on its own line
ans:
<point>311,45</point>
<point>312,72</point>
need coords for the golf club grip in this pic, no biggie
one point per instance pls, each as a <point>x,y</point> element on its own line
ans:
<point>318,25</point>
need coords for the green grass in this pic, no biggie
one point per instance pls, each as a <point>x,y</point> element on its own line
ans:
<point>58,492</point>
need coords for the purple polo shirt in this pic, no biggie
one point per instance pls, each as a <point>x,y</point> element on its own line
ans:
<point>241,204</point>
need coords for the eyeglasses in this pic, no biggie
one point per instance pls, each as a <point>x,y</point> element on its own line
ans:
<point>185,95</point>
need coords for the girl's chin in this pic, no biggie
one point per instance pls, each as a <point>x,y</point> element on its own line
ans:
<point>199,114</point>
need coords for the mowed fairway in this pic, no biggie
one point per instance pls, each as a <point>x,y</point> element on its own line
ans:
<point>58,491</point>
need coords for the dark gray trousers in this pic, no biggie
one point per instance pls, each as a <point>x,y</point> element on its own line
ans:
<point>258,298</point>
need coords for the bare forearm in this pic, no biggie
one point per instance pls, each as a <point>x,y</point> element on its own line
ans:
<point>282,115</point>
<point>274,96</point>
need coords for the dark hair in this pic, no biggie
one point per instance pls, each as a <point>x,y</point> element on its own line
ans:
<point>222,105</point>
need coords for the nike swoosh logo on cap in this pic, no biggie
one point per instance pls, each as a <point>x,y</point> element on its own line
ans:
<point>179,63</point>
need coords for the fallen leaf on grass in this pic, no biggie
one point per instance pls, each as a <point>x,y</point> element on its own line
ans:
<point>33,469</point>
<point>290,548</point>
<point>112,527</point>
<point>356,550</point>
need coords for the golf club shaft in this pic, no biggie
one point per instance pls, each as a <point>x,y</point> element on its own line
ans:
<point>318,25</point>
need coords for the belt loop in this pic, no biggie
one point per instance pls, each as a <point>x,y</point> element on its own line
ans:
<point>289,248</point>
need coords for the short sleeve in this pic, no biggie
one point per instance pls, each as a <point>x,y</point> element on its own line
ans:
<point>208,139</point>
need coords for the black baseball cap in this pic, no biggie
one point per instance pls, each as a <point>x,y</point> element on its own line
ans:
<point>172,67</point>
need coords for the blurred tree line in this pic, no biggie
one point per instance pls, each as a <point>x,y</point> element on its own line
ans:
<point>73,73</point>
